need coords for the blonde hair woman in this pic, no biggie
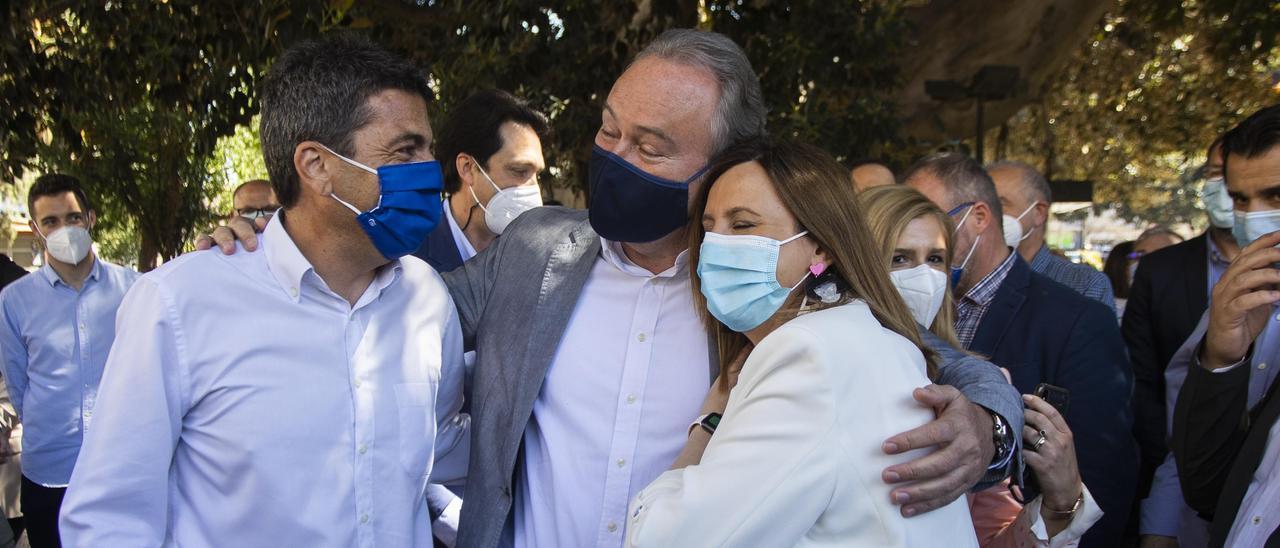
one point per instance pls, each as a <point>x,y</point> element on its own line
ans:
<point>915,238</point>
<point>787,271</point>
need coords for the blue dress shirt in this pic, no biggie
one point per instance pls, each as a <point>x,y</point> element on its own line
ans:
<point>55,342</point>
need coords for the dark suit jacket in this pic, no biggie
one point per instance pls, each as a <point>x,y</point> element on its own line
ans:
<point>1043,331</point>
<point>1218,443</point>
<point>439,250</point>
<point>1167,298</point>
<point>9,271</point>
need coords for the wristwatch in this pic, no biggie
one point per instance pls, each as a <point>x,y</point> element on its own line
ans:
<point>707,422</point>
<point>1002,437</point>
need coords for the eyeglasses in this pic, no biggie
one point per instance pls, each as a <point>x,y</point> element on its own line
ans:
<point>255,214</point>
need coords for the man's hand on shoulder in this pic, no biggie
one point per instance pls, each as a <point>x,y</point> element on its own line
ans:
<point>237,229</point>
<point>962,436</point>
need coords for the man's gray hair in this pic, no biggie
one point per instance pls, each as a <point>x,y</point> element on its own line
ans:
<point>963,178</point>
<point>740,112</point>
<point>1034,186</point>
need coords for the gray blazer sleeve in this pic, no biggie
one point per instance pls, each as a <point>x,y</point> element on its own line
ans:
<point>982,383</point>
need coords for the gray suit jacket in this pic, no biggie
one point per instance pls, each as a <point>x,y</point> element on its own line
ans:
<point>514,301</point>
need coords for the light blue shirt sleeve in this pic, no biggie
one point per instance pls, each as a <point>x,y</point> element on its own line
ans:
<point>119,492</point>
<point>1161,511</point>
<point>14,353</point>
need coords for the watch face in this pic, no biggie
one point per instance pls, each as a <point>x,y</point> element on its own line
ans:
<point>713,420</point>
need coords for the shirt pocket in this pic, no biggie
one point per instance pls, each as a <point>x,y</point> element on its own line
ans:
<point>415,405</point>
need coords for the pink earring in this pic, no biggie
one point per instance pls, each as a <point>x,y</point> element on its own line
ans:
<point>817,269</point>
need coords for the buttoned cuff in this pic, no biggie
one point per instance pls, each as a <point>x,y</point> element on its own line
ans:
<point>445,527</point>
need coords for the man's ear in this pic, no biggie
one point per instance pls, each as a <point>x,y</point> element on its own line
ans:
<point>982,216</point>
<point>315,171</point>
<point>462,163</point>
<point>1041,214</point>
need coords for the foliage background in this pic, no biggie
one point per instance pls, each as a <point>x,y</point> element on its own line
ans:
<point>152,101</point>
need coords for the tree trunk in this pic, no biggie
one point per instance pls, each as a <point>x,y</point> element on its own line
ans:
<point>1037,36</point>
<point>148,252</point>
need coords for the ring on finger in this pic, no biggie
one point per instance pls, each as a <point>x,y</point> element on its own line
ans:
<point>1039,441</point>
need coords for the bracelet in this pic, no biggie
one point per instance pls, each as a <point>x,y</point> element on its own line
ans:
<point>696,423</point>
<point>707,422</point>
<point>1064,514</point>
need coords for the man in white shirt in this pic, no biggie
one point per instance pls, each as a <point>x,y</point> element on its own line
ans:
<point>318,413</point>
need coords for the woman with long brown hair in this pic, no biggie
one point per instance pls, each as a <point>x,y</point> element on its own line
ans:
<point>788,451</point>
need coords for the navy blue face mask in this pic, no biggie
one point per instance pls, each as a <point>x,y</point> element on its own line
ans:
<point>629,205</point>
<point>408,209</point>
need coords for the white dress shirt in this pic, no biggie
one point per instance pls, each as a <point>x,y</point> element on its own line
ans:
<point>246,404</point>
<point>630,374</point>
<point>796,459</point>
<point>465,249</point>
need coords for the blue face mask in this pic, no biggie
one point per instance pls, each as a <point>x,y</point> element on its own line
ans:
<point>739,278</point>
<point>408,209</point>
<point>958,271</point>
<point>629,205</point>
<point>1254,224</point>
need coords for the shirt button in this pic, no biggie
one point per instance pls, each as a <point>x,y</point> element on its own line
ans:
<point>631,398</point>
<point>1262,365</point>
<point>357,383</point>
<point>364,518</point>
<point>613,527</point>
<point>1257,520</point>
<point>293,292</point>
<point>640,337</point>
<point>363,448</point>
<point>622,462</point>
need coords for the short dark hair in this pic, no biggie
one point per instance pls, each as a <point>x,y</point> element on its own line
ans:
<point>962,176</point>
<point>56,184</point>
<point>1256,135</point>
<point>318,90</point>
<point>473,126</point>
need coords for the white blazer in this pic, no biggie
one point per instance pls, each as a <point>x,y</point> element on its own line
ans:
<point>796,460</point>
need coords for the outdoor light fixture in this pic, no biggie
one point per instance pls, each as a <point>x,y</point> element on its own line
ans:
<point>991,83</point>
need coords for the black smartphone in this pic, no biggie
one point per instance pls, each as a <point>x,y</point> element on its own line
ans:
<point>1057,396</point>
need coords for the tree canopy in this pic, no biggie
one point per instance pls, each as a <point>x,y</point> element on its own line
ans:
<point>135,97</point>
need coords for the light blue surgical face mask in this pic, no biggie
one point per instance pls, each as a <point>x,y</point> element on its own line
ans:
<point>1254,224</point>
<point>739,278</point>
<point>1217,204</point>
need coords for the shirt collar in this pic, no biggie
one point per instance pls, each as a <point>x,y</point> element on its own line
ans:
<point>613,253</point>
<point>51,275</point>
<point>1215,254</point>
<point>465,249</point>
<point>290,267</point>
<point>1041,257</point>
<point>284,260</point>
<point>985,290</point>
